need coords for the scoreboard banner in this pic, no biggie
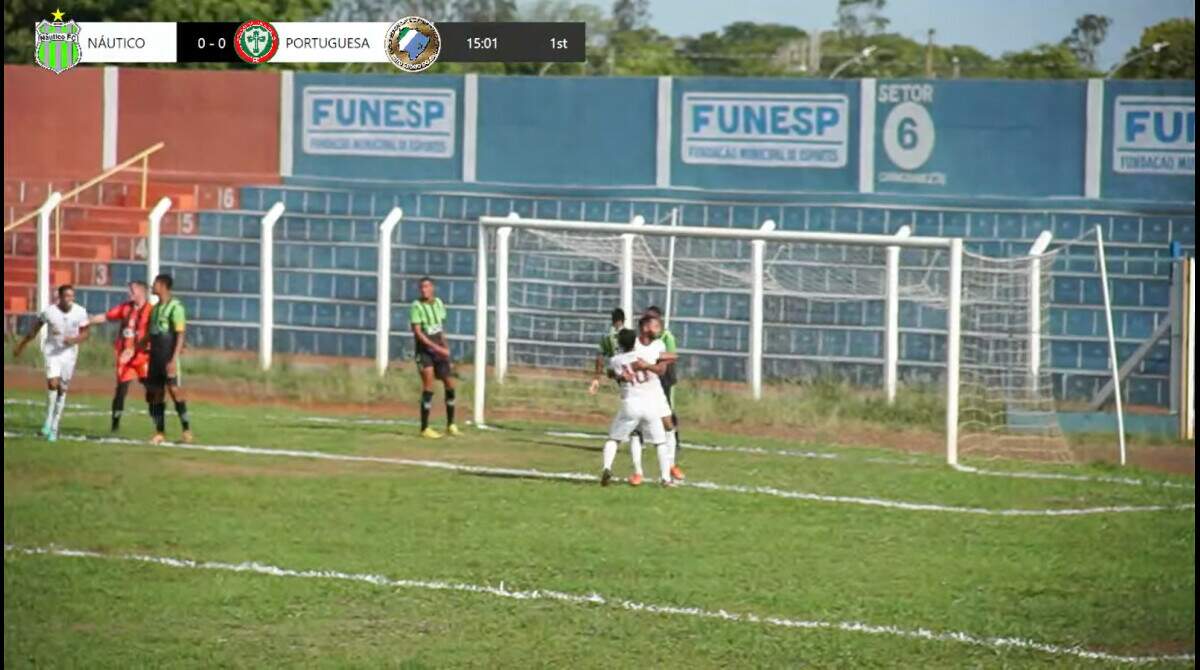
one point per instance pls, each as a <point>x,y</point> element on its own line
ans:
<point>409,40</point>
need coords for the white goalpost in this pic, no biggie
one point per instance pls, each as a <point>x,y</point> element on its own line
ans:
<point>772,305</point>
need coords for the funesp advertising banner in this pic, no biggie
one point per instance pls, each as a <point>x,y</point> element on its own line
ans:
<point>1149,140</point>
<point>397,122</point>
<point>765,129</point>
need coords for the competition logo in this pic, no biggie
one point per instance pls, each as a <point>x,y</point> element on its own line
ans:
<point>413,44</point>
<point>256,42</point>
<point>56,44</point>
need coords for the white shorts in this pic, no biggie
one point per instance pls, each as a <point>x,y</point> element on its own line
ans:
<point>61,366</point>
<point>642,416</point>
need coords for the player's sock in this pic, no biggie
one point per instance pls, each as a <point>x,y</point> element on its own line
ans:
<point>672,442</point>
<point>118,404</point>
<point>678,440</point>
<point>426,404</point>
<point>610,454</point>
<point>58,409</point>
<point>664,461</point>
<point>635,451</point>
<point>51,402</point>
<point>449,407</point>
<point>158,411</point>
<point>181,410</point>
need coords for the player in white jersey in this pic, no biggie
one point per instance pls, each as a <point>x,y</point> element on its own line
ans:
<point>643,404</point>
<point>66,326</point>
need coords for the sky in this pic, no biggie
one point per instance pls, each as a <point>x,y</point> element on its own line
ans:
<point>993,26</point>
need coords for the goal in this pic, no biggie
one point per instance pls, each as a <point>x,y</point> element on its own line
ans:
<point>768,307</point>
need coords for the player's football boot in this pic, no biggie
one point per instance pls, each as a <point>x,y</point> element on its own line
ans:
<point>676,473</point>
<point>52,436</point>
<point>453,431</point>
<point>430,434</point>
<point>45,431</point>
<point>605,477</point>
<point>158,438</point>
<point>186,438</point>
<point>635,479</point>
<point>668,483</point>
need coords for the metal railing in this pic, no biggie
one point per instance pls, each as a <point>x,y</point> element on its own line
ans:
<point>143,156</point>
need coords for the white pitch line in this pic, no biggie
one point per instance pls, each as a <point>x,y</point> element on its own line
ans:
<point>593,598</point>
<point>1015,474</point>
<point>582,477</point>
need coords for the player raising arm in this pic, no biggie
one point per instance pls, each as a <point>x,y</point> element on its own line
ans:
<point>133,315</point>
<point>608,349</point>
<point>427,317</point>
<point>66,326</point>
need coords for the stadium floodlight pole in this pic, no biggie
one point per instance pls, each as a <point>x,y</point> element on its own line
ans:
<point>502,237</point>
<point>154,253</point>
<point>383,291</point>
<point>953,348</point>
<point>757,252</point>
<point>1035,306</point>
<point>858,58</point>
<point>1152,49</point>
<point>481,307</point>
<point>266,282</point>
<point>670,269</point>
<point>891,329</point>
<point>1112,342</point>
<point>627,267</point>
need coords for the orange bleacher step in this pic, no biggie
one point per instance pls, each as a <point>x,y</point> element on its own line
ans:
<point>183,196</point>
<point>20,275</point>
<point>16,304</point>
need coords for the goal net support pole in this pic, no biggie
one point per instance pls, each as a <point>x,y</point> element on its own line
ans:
<point>1112,341</point>
<point>1035,306</point>
<point>757,257</point>
<point>627,269</point>
<point>383,291</point>
<point>891,334</point>
<point>953,348</point>
<point>266,282</point>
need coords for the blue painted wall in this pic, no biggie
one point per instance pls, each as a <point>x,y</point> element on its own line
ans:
<point>566,131</point>
<point>980,137</point>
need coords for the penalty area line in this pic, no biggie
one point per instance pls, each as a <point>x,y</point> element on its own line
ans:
<point>532,473</point>
<point>595,599</point>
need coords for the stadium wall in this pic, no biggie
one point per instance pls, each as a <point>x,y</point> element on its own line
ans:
<point>52,124</point>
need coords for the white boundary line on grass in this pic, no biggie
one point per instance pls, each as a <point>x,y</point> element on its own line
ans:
<point>501,591</point>
<point>1015,474</point>
<point>582,477</point>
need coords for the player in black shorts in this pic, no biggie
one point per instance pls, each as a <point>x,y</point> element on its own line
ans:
<point>427,318</point>
<point>165,336</point>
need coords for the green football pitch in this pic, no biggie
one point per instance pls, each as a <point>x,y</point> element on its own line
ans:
<point>285,538</point>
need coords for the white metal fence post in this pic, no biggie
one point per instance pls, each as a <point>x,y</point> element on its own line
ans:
<point>266,282</point>
<point>757,251</point>
<point>502,235</point>
<point>953,347</point>
<point>627,269</point>
<point>383,296</point>
<point>891,311</point>
<point>154,253</point>
<point>1112,342</point>
<point>43,254</point>
<point>1035,307</point>
<point>481,301</point>
<point>670,272</point>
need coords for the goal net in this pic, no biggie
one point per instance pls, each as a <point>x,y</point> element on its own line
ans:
<point>870,313</point>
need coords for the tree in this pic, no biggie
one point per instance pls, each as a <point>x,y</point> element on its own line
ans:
<point>856,18</point>
<point>631,14</point>
<point>1177,61</point>
<point>1089,32</point>
<point>1044,61</point>
<point>743,49</point>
